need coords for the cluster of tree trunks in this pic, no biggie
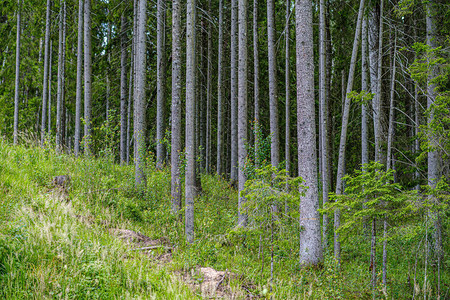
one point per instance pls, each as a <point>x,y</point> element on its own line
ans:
<point>230,130</point>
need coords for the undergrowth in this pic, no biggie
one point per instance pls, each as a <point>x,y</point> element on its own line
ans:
<point>46,252</point>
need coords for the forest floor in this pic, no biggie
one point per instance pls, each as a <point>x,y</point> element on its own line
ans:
<point>96,237</point>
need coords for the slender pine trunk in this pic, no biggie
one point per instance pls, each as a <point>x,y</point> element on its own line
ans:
<point>220,104</point>
<point>190,176</point>
<point>243,106</point>
<point>79,87</point>
<point>176,107</point>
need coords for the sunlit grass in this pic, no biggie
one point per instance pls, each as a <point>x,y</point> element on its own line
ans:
<point>48,251</point>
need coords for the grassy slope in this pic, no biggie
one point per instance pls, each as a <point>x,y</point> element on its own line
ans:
<point>47,252</point>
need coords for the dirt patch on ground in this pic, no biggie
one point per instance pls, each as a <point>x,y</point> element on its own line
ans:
<point>213,284</point>
<point>136,238</point>
<point>159,250</point>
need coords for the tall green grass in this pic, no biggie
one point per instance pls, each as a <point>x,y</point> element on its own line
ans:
<point>47,251</point>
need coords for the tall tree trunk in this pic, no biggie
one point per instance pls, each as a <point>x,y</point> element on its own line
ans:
<point>208,94</point>
<point>242,103</point>
<point>46,71</point>
<point>16,93</point>
<point>234,91</point>
<point>343,139</point>
<point>191,100</point>
<point>139,94</point>
<point>273,93</point>
<point>220,104</point>
<point>160,82</point>
<point>123,89</point>
<point>287,143</point>
<point>49,106</point>
<point>256,78</point>
<point>364,108</point>
<point>79,92</point>
<point>390,141</point>
<point>310,241</point>
<point>433,155</point>
<point>108,66</point>
<point>373,62</point>
<point>87,76</point>
<point>378,106</point>
<point>60,92</point>
<point>323,119</point>
<point>130,136</point>
<point>176,107</point>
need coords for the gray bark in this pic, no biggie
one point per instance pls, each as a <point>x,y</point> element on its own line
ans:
<point>310,241</point>
<point>176,107</point>
<point>242,103</point>
<point>49,106</point>
<point>160,81</point>
<point>130,136</point>
<point>256,76</point>
<point>273,93</point>
<point>208,95</point>
<point>377,107</point>
<point>364,109</point>
<point>139,94</point>
<point>108,83</point>
<point>87,76</point>
<point>343,137</point>
<point>61,71</point>
<point>123,89</point>
<point>190,177</point>
<point>323,120</point>
<point>287,145</point>
<point>434,172</point>
<point>46,71</point>
<point>373,62</point>
<point>389,152</point>
<point>220,104</point>
<point>79,88</point>
<point>17,79</point>
<point>234,92</point>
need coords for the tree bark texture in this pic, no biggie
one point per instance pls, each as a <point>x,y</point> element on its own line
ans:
<point>160,81</point>
<point>46,71</point>
<point>61,74</point>
<point>273,93</point>
<point>256,78</point>
<point>123,89</point>
<point>87,76</point>
<point>234,91</point>
<point>17,79</point>
<point>176,107</point>
<point>220,104</point>
<point>323,119</point>
<point>310,241</point>
<point>242,103</point>
<point>190,192</point>
<point>49,106</point>
<point>79,88</point>
<point>139,94</point>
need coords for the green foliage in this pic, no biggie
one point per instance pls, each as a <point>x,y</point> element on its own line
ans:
<point>258,154</point>
<point>362,97</point>
<point>372,193</point>
<point>268,188</point>
<point>432,67</point>
<point>45,250</point>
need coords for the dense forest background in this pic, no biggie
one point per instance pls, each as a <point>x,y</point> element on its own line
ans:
<point>330,118</point>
